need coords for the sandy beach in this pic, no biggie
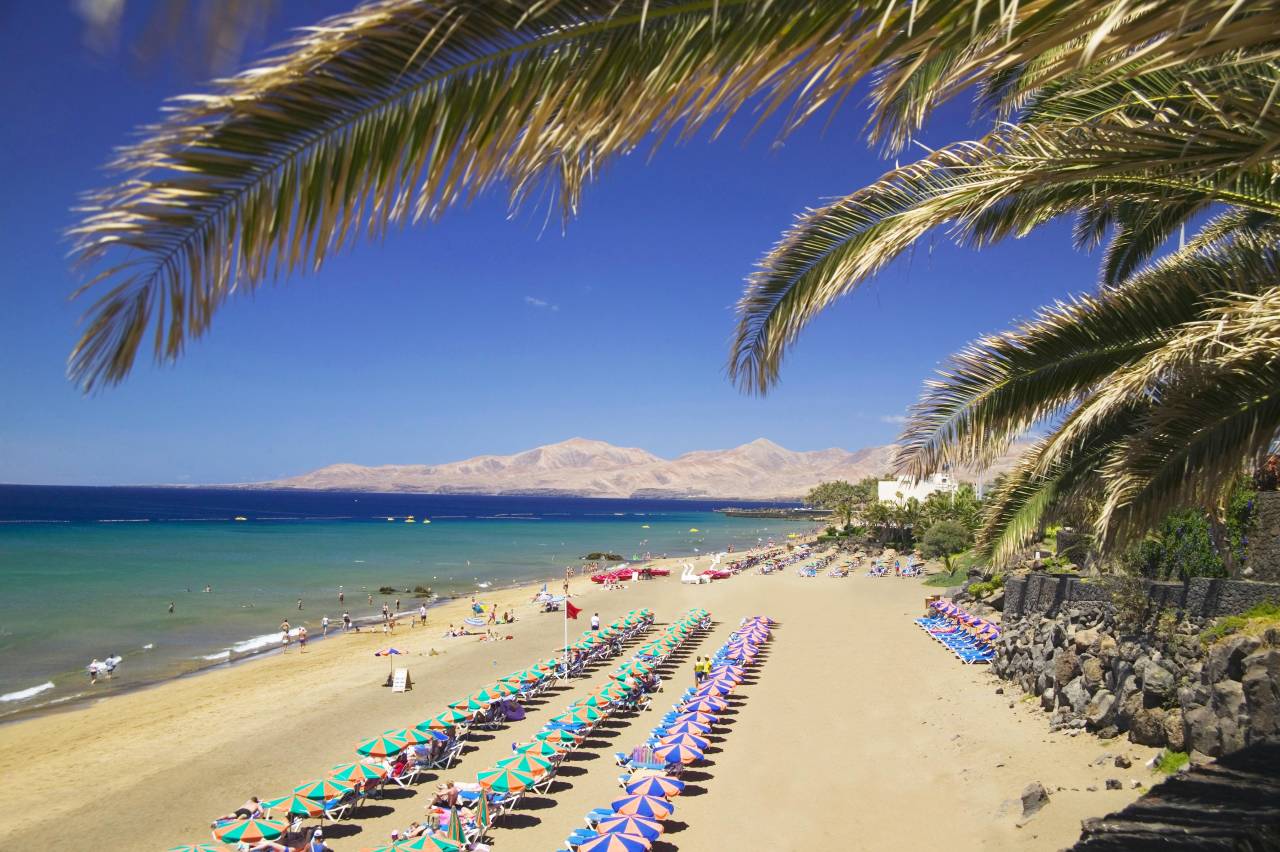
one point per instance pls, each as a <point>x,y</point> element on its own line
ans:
<point>861,733</point>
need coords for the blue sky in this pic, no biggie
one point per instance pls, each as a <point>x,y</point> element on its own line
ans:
<point>480,333</point>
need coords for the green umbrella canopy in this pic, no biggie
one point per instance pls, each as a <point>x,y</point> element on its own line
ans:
<point>199,847</point>
<point>543,748</point>
<point>410,736</point>
<point>426,843</point>
<point>325,788</point>
<point>293,805</point>
<point>504,780</point>
<point>356,773</point>
<point>381,747</point>
<point>457,833</point>
<point>250,830</point>
<point>529,764</point>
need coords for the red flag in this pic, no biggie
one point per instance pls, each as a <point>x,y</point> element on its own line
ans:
<point>570,610</point>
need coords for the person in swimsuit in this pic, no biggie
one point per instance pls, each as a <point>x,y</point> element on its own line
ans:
<point>302,638</point>
<point>284,633</point>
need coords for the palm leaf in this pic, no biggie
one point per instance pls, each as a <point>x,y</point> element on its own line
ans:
<point>400,109</point>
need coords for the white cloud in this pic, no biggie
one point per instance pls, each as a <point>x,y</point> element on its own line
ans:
<point>893,418</point>
<point>540,303</point>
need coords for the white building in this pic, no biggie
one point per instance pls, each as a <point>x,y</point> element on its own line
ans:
<point>899,491</point>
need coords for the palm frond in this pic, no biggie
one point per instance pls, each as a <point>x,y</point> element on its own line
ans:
<point>1001,385</point>
<point>1006,184</point>
<point>1218,389</point>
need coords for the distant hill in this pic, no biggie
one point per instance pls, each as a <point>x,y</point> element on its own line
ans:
<point>760,470</point>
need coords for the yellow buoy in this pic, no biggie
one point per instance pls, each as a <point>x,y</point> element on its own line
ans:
<point>694,529</point>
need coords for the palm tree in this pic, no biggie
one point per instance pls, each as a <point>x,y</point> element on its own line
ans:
<point>1140,119</point>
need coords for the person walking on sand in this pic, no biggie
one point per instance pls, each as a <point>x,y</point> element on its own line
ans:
<point>595,621</point>
<point>324,625</point>
<point>493,614</point>
<point>386,611</point>
<point>697,670</point>
<point>302,638</point>
<point>422,614</point>
<point>346,621</point>
<point>284,633</point>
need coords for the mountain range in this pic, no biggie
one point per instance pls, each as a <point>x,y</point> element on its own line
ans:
<point>759,470</point>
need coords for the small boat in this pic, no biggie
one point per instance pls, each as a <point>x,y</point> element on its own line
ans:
<point>426,520</point>
<point>408,520</point>
<point>644,526</point>
<point>694,529</point>
<point>390,519</point>
<point>241,518</point>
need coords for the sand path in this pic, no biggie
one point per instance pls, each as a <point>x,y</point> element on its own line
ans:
<point>860,733</point>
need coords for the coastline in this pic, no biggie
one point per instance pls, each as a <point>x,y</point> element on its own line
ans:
<point>117,688</point>
<point>910,718</point>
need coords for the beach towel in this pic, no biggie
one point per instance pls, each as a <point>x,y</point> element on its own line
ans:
<point>475,622</point>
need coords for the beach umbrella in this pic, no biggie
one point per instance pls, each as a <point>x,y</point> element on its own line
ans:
<point>731,671</point>
<point>457,833</point>
<point>470,705</point>
<point>649,829</point>
<point>710,689</point>
<point>487,695</point>
<point>504,688</point>
<point>356,773</point>
<point>685,739</point>
<point>596,700</point>
<point>655,785</point>
<point>677,754</point>
<point>322,790</point>
<point>294,805</point>
<point>689,728</point>
<point>614,843</point>
<point>452,717</point>
<point>201,847</point>
<point>528,763</point>
<point>705,705</point>
<point>381,747</point>
<point>411,736</point>
<point>250,831</point>
<point>558,735</point>
<point>426,843</point>
<point>698,718</point>
<point>505,780</point>
<point>543,748</point>
<point>388,652</point>
<point>482,814</point>
<point>650,807</point>
<point>579,715</point>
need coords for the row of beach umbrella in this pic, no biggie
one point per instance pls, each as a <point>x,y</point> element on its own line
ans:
<point>308,799</point>
<point>534,761</point>
<point>634,821</point>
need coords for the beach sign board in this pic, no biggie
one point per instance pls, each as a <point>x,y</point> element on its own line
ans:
<point>400,681</point>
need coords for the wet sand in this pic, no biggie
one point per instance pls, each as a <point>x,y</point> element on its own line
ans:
<point>860,733</point>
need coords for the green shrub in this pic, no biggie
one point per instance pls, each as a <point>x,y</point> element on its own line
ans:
<point>1255,619</point>
<point>831,532</point>
<point>1171,761</point>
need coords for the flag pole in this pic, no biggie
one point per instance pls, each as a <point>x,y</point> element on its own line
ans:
<point>566,623</point>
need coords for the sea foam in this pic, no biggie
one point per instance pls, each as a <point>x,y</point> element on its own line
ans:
<point>23,694</point>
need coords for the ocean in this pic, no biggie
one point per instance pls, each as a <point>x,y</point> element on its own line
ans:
<point>91,572</point>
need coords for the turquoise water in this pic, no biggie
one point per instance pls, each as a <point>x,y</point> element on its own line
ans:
<point>77,590</point>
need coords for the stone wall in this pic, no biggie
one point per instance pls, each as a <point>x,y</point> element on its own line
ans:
<point>1160,691</point>
<point>1201,597</point>
<point>1263,561</point>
